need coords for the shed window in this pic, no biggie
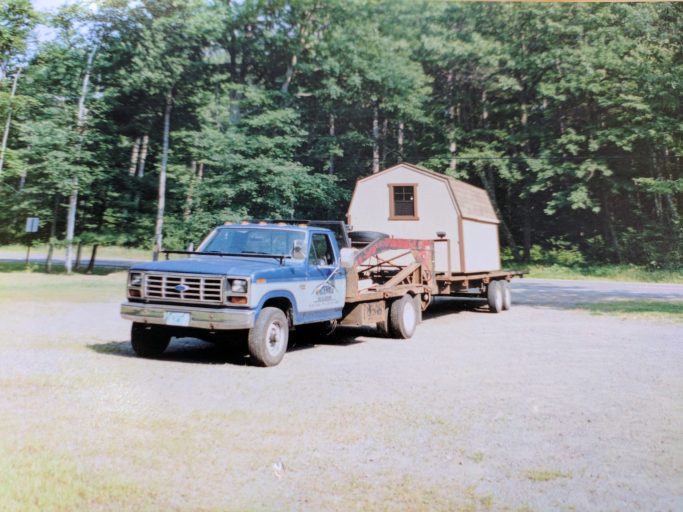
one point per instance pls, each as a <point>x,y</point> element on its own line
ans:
<point>403,203</point>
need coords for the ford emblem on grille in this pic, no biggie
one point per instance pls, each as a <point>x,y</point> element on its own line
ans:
<point>182,288</point>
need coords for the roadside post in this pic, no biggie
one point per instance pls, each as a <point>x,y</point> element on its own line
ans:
<point>32,224</point>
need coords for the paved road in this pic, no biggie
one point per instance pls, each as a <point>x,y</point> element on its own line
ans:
<point>560,293</point>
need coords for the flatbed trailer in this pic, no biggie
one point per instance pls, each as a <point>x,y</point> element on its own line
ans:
<point>409,271</point>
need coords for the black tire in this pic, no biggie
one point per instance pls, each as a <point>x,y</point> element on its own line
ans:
<point>507,295</point>
<point>269,337</point>
<point>365,237</point>
<point>494,296</point>
<point>403,317</point>
<point>148,341</point>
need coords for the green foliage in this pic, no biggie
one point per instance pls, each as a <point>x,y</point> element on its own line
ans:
<point>568,114</point>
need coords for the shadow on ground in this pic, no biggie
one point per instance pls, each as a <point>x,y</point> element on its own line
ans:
<point>233,349</point>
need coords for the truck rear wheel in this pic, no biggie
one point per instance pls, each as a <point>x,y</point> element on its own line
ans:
<point>403,317</point>
<point>269,337</point>
<point>507,295</point>
<point>494,296</point>
<point>148,341</point>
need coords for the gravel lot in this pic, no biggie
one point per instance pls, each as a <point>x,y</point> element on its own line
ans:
<point>544,407</point>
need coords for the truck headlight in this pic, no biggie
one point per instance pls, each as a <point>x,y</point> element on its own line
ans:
<point>135,279</point>
<point>238,286</point>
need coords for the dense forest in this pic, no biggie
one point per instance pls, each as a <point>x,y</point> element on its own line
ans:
<point>146,122</point>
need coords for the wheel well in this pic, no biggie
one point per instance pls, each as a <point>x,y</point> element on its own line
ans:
<point>281,303</point>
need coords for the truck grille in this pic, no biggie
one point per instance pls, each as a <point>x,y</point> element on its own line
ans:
<point>198,289</point>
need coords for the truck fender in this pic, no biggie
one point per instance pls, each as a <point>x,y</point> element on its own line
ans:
<point>280,294</point>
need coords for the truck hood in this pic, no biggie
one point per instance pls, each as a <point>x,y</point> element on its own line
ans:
<point>224,266</point>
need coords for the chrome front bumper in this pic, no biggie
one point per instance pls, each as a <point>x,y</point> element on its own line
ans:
<point>200,318</point>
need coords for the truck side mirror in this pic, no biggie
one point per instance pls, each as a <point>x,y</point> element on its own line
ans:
<point>298,251</point>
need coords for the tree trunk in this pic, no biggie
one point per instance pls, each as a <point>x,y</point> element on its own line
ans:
<point>48,261</point>
<point>71,224</point>
<point>291,66</point>
<point>8,122</point>
<point>135,152</point>
<point>452,145</point>
<point>330,167</point>
<point>670,197</point>
<point>158,232</point>
<point>526,229</point>
<point>73,199</point>
<point>610,232</point>
<point>375,138</point>
<point>385,129</point>
<point>143,155</point>
<point>187,211</point>
<point>400,141</point>
<point>93,256</point>
<point>78,255</point>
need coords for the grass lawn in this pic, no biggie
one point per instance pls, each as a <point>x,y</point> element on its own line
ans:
<point>632,273</point>
<point>649,309</point>
<point>16,285</point>
<point>103,252</point>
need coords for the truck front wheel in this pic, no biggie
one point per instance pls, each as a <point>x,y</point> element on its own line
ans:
<point>268,338</point>
<point>148,341</point>
<point>403,317</point>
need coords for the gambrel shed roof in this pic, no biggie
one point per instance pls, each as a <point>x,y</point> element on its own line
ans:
<point>472,202</point>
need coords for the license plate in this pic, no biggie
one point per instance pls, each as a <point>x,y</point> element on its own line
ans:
<point>180,319</point>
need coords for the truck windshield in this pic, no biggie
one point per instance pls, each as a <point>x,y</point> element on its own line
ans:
<point>246,240</point>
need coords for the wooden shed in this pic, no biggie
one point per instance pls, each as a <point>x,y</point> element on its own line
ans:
<point>408,201</point>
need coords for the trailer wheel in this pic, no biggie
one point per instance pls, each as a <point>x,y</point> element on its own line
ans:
<point>494,296</point>
<point>403,317</point>
<point>507,295</point>
<point>148,341</point>
<point>268,338</point>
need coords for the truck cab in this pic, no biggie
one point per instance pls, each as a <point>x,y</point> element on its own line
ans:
<point>256,277</point>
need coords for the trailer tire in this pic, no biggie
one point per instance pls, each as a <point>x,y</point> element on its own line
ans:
<point>148,341</point>
<point>494,297</point>
<point>403,317</point>
<point>507,295</point>
<point>268,338</point>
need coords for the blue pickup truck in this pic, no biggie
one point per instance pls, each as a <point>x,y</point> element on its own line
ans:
<point>261,278</point>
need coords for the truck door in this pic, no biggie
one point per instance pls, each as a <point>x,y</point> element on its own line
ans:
<point>326,280</point>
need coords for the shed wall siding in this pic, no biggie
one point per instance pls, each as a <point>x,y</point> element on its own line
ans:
<point>481,246</point>
<point>370,210</point>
